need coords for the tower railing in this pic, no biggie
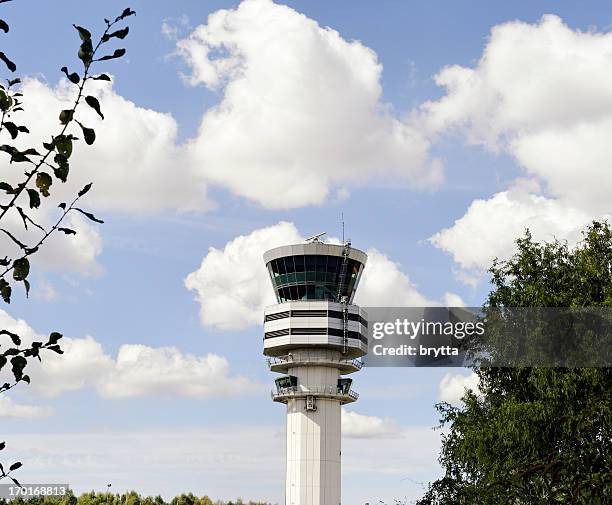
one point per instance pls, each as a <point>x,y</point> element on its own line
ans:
<point>290,359</point>
<point>323,391</point>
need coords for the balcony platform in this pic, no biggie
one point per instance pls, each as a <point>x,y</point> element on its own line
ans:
<point>281,364</point>
<point>285,394</point>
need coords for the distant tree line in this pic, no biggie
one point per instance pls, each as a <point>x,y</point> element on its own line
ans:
<point>130,498</point>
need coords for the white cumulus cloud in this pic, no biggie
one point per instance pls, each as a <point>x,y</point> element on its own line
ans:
<point>232,284</point>
<point>301,111</point>
<point>135,163</point>
<point>356,425</point>
<point>538,93</point>
<point>138,370</point>
<point>385,285</point>
<point>489,227</point>
<point>10,409</point>
<point>452,387</point>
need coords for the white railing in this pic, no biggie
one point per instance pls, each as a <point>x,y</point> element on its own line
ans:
<point>320,390</point>
<point>289,359</point>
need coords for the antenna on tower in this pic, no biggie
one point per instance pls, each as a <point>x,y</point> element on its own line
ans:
<point>315,238</point>
<point>342,218</point>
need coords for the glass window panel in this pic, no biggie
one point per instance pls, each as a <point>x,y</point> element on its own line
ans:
<point>310,262</point>
<point>289,265</point>
<point>281,266</point>
<point>301,292</point>
<point>291,278</point>
<point>299,263</point>
<point>293,292</point>
<point>320,275</point>
<point>321,262</point>
<point>333,264</point>
<point>319,292</point>
<point>300,277</point>
<point>310,292</point>
<point>310,276</point>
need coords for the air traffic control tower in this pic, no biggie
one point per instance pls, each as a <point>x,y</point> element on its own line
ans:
<point>314,336</point>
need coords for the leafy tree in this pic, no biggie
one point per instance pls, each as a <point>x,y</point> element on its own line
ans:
<point>535,435</point>
<point>27,182</point>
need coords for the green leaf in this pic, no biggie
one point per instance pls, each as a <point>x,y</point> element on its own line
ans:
<point>34,198</point>
<point>85,189</point>
<point>120,34</point>
<point>43,182</point>
<point>61,171</point>
<point>12,129</point>
<point>54,337</point>
<point>5,101</point>
<point>126,12</point>
<point>117,54</point>
<point>16,339</point>
<point>9,64</point>
<point>63,144</point>
<point>56,348</point>
<point>15,466</point>
<point>21,268</point>
<point>19,157</point>
<point>89,215</point>
<point>73,77</point>
<point>12,82</point>
<point>26,284</point>
<point>5,186</point>
<point>89,134</point>
<point>92,101</point>
<point>4,26</point>
<point>101,77</point>
<point>5,292</point>
<point>86,52</point>
<point>66,116</point>
<point>67,231</point>
<point>83,33</point>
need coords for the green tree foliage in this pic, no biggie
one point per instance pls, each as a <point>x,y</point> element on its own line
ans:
<point>27,181</point>
<point>535,435</point>
<point>132,497</point>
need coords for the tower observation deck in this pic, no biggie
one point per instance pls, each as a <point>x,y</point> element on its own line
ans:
<point>313,336</point>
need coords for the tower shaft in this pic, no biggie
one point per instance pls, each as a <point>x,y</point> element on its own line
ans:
<point>313,440</point>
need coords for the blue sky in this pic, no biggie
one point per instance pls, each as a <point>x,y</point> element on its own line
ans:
<point>503,129</point>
